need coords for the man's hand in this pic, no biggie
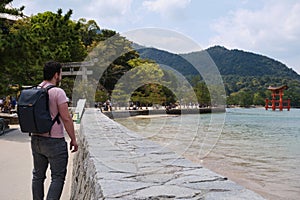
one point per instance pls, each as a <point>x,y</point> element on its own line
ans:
<point>73,146</point>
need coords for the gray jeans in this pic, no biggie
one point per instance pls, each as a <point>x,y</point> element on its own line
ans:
<point>47,151</point>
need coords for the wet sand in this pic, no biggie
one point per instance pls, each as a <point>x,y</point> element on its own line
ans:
<point>16,167</point>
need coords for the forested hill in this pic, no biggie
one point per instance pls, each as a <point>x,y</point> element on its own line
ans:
<point>238,62</point>
<point>175,61</point>
<point>229,62</point>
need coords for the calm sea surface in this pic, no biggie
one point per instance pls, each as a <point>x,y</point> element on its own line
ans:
<point>256,148</point>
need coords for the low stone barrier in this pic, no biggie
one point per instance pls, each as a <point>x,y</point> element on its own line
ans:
<point>128,113</point>
<point>116,163</point>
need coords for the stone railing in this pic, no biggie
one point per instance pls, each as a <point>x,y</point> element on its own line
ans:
<point>115,163</point>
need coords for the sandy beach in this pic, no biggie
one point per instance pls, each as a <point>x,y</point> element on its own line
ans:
<point>16,167</point>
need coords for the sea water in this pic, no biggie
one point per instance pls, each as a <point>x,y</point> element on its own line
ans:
<point>256,148</point>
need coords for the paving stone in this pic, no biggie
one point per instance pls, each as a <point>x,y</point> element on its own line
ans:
<point>113,188</point>
<point>170,191</point>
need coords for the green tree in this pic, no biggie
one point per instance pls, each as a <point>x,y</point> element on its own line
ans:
<point>111,58</point>
<point>202,94</point>
<point>34,40</point>
<point>5,23</point>
<point>259,98</point>
<point>143,84</point>
<point>245,98</point>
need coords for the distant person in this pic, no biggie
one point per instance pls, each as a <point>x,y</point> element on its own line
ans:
<point>13,103</point>
<point>7,105</point>
<point>107,106</point>
<point>51,148</point>
<point>1,104</point>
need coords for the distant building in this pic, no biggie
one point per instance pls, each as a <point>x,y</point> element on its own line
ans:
<point>9,16</point>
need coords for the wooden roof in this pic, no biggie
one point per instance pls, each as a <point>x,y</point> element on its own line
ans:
<point>283,87</point>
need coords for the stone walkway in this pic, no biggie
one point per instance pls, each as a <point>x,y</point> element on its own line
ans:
<point>119,164</point>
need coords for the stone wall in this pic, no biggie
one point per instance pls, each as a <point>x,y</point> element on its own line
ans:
<point>115,163</point>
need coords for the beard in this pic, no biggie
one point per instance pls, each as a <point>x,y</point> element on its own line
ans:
<point>58,81</point>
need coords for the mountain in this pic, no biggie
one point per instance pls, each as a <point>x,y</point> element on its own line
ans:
<point>238,62</point>
<point>243,73</point>
<point>229,62</point>
<point>175,61</point>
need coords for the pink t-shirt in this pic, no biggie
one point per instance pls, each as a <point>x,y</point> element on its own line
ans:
<point>57,96</point>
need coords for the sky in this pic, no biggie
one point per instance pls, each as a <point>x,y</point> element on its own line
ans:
<point>266,27</point>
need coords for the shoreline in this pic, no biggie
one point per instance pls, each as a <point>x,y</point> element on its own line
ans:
<point>232,175</point>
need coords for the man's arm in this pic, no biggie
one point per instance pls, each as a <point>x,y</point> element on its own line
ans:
<point>69,126</point>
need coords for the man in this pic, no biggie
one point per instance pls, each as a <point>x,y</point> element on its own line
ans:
<point>51,148</point>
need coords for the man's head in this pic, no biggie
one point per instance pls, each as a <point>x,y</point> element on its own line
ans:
<point>52,71</point>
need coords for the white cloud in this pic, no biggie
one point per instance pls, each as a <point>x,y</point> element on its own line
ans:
<point>167,8</point>
<point>110,8</point>
<point>254,27</point>
<point>163,39</point>
<point>112,11</point>
<point>272,30</point>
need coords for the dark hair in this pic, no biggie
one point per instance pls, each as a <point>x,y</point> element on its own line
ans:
<point>50,68</point>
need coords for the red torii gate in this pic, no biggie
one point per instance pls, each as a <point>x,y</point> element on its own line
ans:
<point>278,103</point>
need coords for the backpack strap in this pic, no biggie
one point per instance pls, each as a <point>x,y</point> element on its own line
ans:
<point>56,118</point>
<point>49,87</point>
